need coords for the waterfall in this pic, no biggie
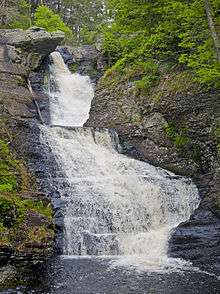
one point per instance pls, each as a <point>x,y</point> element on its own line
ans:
<point>71,95</point>
<point>112,205</point>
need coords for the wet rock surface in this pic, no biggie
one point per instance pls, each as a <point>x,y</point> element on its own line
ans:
<point>86,60</point>
<point>27,245</point>
<point>198,240</point>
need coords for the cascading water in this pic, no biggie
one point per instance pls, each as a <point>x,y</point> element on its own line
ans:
<point>113,205</point>
<point>71,96</point>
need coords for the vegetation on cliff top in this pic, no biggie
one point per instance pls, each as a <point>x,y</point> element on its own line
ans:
<point>142,40</point>
<point>81,20</point>
<point>147,39</point>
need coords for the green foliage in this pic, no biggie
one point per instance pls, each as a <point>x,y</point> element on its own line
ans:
<point>86,19</point>
<point>13,174</point>
<point>17,14</point>
<point>14,180</point>
<point>8,181</point>
<point>178,136</point>
<point>183,142</point>
<point>196,153</point>
<point>50,21</point>
<point>158,32</point>
<point>6,212</point>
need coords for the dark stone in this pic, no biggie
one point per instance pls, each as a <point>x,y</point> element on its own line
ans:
<point>34,218</point>
<point>13,69</point>
<point>31,46</point>
<point>198,240</point>
<point>34,39</point>
<point>86,60</point>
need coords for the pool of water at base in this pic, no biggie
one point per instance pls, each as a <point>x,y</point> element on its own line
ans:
<point>98,276</point>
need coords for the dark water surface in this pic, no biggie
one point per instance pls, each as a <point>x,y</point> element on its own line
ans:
<point>97,276</point>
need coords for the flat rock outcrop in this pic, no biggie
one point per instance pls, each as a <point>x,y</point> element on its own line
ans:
<point>29,47</point>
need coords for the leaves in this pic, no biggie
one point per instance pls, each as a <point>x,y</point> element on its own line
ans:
<point>163,31</point>
<point>46,18</point>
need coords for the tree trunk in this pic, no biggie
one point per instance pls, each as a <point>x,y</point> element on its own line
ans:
<point>212,28</point>
<point>3,13</point>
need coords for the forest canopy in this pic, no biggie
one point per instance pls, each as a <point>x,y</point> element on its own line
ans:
<point>140,39</point>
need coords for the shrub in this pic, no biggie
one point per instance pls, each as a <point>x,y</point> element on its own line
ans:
<point>50,21</point>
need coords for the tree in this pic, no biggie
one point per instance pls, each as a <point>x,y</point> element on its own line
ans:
<point>46,18</point>
<point>2,12</point>
<point>84,17</point>
<point>150,34</point>
<point>15,14</point>
<point>212,28</point>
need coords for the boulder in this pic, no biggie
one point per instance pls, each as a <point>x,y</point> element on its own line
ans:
<point>30,46</point>
<point>198,240</point>
<point>86,52</point>
<point>33,40</point>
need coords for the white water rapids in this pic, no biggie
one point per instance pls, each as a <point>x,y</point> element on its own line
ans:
<point>113,205</point>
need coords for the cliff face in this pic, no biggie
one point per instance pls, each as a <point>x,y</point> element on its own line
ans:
<point>26,227</point>
<point>175,127</point>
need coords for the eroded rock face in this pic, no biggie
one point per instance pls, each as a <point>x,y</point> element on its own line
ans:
<point>164,120</point>
<point>86,60</point>
<point>198,240</point>
<point>29,47</point>
<point>32,241</point>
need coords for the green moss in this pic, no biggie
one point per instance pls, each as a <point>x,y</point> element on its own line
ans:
<point>74,67</point>
<point>181,140</point>
<point>13,209</point>
<point>13,173</point>
<point>178,136</point>
<point>7,212</point>
<point>39,206</point>
<point>196,153</point>
<point>92,71</point>
<point>217,134</point>
<point>20,81</point>
<point>39,234</point>
<point>175,83</point>
<point>15,180</point>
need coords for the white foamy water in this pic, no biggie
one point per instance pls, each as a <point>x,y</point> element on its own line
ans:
<point>113,205</point>
<point>70,96</point>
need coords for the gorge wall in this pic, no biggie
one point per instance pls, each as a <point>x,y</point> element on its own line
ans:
<point>26,215</point>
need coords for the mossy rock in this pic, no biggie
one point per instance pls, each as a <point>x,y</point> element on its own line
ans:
<point>25,215</point>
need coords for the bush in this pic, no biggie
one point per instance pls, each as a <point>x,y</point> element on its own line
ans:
<point>50,21</point>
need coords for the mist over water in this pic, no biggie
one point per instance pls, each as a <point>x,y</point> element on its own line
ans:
<point>113,205</point>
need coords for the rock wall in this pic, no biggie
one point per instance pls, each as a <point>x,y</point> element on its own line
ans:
<point>27,232</point>
<point>31,46</point>
<point>86,60</point>
<point>175,127</point>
